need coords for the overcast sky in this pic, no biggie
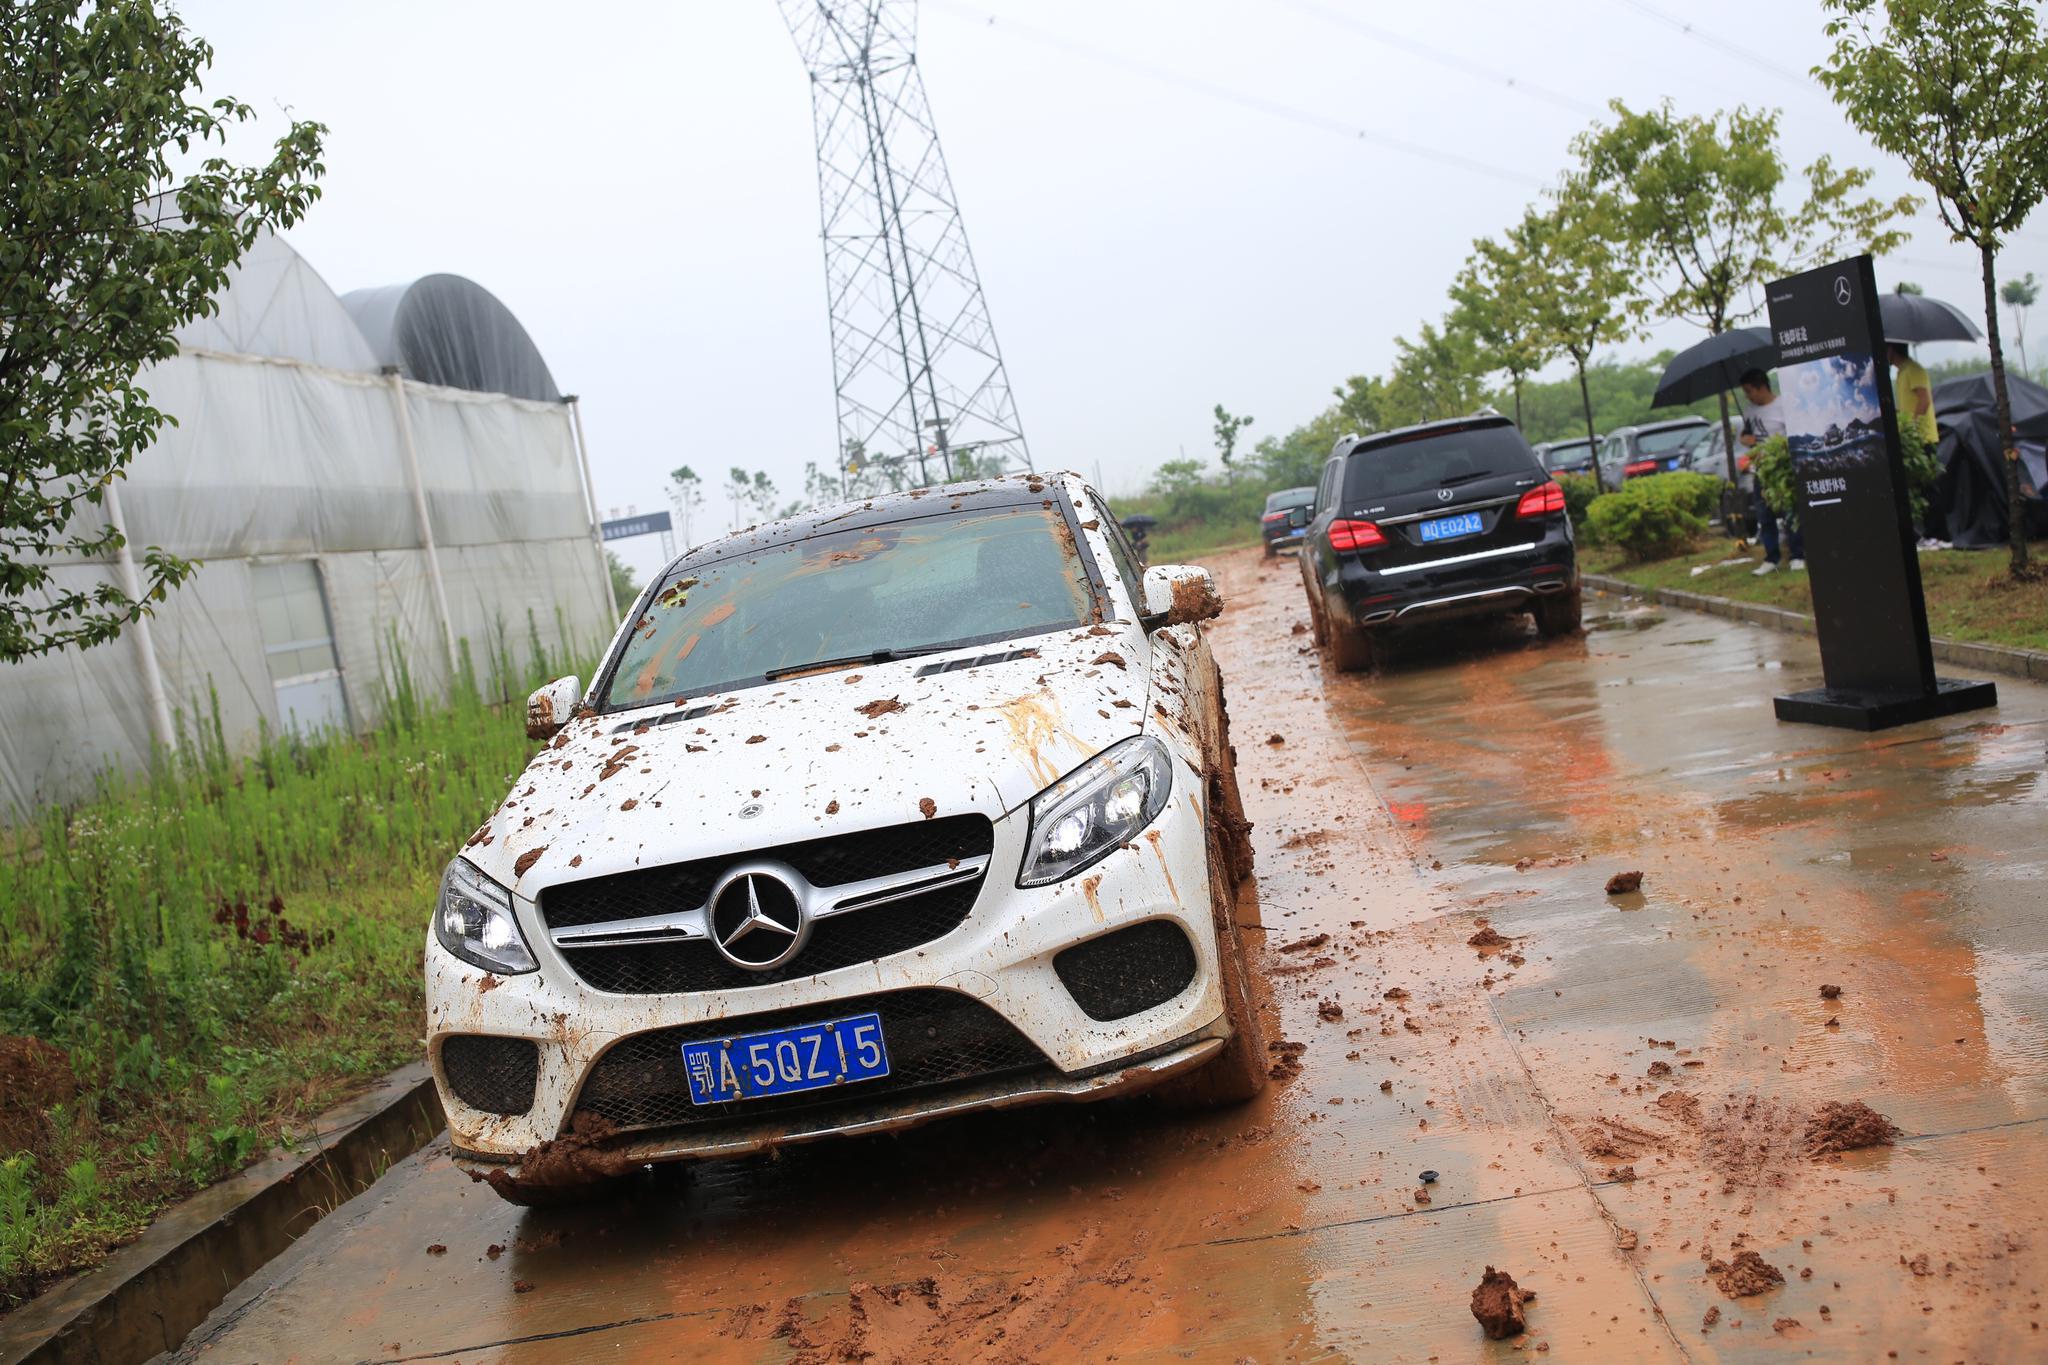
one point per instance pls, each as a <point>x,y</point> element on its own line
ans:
<point>1173,203</point>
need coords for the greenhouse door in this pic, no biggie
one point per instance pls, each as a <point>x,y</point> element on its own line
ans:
<point>298,644</point>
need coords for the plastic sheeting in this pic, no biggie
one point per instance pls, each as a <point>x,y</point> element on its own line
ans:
<point>276,305</point>
<point>1971,494</point>
<point>444,329</point>
<point>273,460</point>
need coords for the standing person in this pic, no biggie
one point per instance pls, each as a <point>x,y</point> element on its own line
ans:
<point>1913,400</point>
<point>1762,420</point>
<point>1913,394</point>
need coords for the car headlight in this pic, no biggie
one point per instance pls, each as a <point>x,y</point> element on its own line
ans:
<point>474,921</point>
<point>1096,808</point>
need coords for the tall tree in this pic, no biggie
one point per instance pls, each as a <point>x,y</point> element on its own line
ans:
<point>1701,212</point>
<point>686,490</point>
<point>2020,295</point>
<point>1227,430</point>
<point>1955,89</point>
<point>739,487</point>
<point>1490,302</point>
<point>761,493</point>
<point>107,249</point>
<point>1577,282</point>
<point>1437,375</point>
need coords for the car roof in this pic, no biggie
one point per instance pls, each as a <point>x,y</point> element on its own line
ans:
<point>1351,445</point>
<point>883,509</point>
<point>1668,424</point>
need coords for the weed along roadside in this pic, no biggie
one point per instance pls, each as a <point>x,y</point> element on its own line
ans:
<point>195,963</point>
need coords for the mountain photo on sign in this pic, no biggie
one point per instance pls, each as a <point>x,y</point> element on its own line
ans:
<point>1833,416</point>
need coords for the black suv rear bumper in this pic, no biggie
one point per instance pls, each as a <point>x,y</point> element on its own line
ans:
<point>1457,583</point>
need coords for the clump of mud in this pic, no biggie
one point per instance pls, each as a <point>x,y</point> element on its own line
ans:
<point>572,1162</point>
<point>1488,939</point>
<point>1831,992</point>
<point>1195,599</point>
<point>1840,1127</point>
<point>881,706</point>
<point>1747,1274</point>
<point>1329,1010</point>
<point>1286,1059</point>
<point>1497,1304</point>
<point>1621,883</point>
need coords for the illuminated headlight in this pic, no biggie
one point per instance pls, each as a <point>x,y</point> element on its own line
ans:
<point>1095,808</point>
<point>474,921</point>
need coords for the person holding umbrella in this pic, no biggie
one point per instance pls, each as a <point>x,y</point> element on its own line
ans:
<point>1913,393</point>
<point>1760,422</point>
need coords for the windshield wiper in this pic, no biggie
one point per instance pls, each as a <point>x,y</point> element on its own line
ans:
<point>1457,479</point>
<point>877,656</point>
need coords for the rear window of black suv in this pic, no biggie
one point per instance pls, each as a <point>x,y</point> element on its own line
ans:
<point>1436,459</point>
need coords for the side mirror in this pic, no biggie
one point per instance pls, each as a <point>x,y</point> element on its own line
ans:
<point>1179,595</point>
<point>547,710</point>
<point>1297,517</point>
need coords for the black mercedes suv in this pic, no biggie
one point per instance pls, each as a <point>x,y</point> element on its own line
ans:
<point>1447,519</point>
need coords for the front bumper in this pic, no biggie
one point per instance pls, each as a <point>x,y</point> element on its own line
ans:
<point>1001,956</point>
<point>1467,582</point>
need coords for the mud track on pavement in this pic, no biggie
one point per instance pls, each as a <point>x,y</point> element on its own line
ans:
<point>1481,1059</point>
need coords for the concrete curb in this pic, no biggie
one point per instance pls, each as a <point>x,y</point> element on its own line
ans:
<point>2031,664</point>
<point>153,1292</point>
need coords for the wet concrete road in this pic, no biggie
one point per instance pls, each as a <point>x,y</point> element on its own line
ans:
<point>1678,1035</point>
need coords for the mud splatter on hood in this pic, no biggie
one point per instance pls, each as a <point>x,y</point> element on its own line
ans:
<point>804,757</point>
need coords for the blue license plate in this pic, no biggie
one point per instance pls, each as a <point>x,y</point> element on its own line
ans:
<point>1450,528</point>
<point>784,1060</point>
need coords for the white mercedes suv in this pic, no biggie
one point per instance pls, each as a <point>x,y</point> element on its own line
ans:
<point>890,811</point>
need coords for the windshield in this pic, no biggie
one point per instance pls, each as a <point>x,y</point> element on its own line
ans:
<point>1440,460</point>
<point>1290,497</point>
<point>1669,442</point>
<point>933,582</point>
<point>1570,452</point>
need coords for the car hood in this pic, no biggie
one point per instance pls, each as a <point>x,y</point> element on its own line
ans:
<point>848,750</point>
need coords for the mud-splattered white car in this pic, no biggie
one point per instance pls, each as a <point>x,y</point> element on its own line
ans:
<point>887,812</point>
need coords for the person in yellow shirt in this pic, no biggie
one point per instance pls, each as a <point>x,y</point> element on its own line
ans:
<point>1912,394</point>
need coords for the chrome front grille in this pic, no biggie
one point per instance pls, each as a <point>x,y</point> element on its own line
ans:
<point>878,892</point>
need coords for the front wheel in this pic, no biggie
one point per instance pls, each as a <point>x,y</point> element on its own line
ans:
<point>1558,614</point>
<point>1238,1072</point>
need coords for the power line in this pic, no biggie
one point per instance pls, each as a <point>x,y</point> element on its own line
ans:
<point>1749,55</point>
<point>1259,103</point>
<point>1416,48</point>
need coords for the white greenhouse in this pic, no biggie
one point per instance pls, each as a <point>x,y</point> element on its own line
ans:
<point>393,471</point>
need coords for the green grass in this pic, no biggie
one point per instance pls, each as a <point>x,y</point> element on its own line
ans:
<point>1970,595</point>
<point>223,947</point>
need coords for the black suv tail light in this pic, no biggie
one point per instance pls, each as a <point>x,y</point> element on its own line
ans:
<point>1542,500</point>
<point>1355,535</point>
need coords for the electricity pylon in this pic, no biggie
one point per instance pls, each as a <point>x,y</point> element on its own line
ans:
<point>918,374</point>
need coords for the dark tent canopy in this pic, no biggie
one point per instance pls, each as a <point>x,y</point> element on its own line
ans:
<point>1972,489</point>
<point>444,329</point>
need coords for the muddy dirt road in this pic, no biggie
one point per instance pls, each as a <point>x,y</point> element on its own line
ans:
<point>1615,1099</point>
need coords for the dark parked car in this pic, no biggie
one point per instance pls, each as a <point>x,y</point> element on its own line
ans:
<point>1448,519</point>
<point>1286,518</point>
<point>1567,457</point>
<point>1651,448</point>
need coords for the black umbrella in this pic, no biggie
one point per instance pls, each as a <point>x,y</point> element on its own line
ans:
<point>1715,365</point>
<point>1915,317</point>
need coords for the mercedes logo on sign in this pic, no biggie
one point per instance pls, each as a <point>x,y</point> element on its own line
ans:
<point>1842,292</point>
<point>758,921</point>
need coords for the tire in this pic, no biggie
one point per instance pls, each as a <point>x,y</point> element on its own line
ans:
<point>1238,1072</point>
<point>1558,615</point>
<point>1351,650</point>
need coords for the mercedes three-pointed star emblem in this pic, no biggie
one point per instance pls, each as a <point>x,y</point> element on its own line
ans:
<point>757,921</point>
